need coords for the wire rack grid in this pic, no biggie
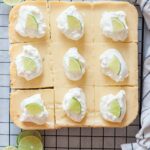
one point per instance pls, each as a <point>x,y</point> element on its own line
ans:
<point>67,138</point>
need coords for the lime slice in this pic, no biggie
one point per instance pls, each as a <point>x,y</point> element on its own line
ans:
<point>28,133</point>
<point>30,143</point>
<point>73,23</point>
<point>31,23</point>
<point>74,106</point>
<point>74,65</point>
<point>115,65</point>
<point>12,2</point>
<point>114,108</point>
<point>10,148</point>
<point>117,25</point>
<point>29,64</point>
<point>34,108</point>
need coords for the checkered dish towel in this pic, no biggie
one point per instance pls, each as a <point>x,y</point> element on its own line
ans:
<point>145,8</point>
<point>143,136</point>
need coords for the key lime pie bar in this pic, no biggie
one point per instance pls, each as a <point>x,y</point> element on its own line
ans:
<point>73,64</point>
<point>29,22</point>
<point>31,65</point>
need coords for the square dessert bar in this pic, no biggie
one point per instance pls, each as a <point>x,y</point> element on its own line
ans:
<point>129,52</point>
<point>14,37</point>
<point>131,103</point>
<point>44,80</point>
<point>60,80</point>
<point>61,118</point>
<point>18,96</point>
<point>85,9</point>
<point>131,17</point>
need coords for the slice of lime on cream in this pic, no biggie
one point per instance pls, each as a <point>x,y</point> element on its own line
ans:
<point>114,108</point>
<point>29,64</point>
<point>28,133</point>
<point>30,143</point>
<point>115,65</point>
<point>31,23</point>
<point>74,106</point>
<point>73,23</point>
<point>12,2</point>
<point>74,65</point>
<point>10,148</point>
<point>117,24</point>
<point>34,108</point>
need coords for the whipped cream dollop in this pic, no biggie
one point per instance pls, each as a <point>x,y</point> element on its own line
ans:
<point>73,53</point>
<point>20,26</point>
<point>80,96</point>
<point>63,26</point>
<point>105,60</point>
<point>40,118</point>
<point>32,53</point>
<point>105,102</point>
<point>106,24</point>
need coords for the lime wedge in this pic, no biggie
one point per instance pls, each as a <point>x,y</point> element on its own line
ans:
<point>28,133</point>
<point>30,143</point>
<point>12,2</point>
<point>117,25</point>
<point>74,106</point>
<point>115,65</point>
<point>73,23</point>
<point>10,148</point>
<point>34,108</point>
<point>114,108</point>
<point>31,23</point>
<point>29,64</point>
<point>74,65</point>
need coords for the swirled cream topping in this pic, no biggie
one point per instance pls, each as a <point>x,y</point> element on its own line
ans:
<point>114,26</point>
<point>113,65</point>
<point>29,63</point>
<point>33,110</point>
<point>113,107</point>
<point>30,22</point>
<point>70,23</point>
<point>74,64</point>
<point>74,104</point>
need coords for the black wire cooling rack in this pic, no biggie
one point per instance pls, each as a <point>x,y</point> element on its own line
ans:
<point>67,138</point>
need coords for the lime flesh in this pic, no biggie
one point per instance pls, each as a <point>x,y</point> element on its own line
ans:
<point>31,23</point>
<point>30,143</point>
<point>74,23</point>
<point>34,108</point>
<point>117,25</point>
<point>29,64</point>
<point>28,133</point>
<point>74,65</point>
<point>115,65</point>
<point>114,108</point>
<point>10,148</point>
<point>74,106</point>
<point>11,2</point>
